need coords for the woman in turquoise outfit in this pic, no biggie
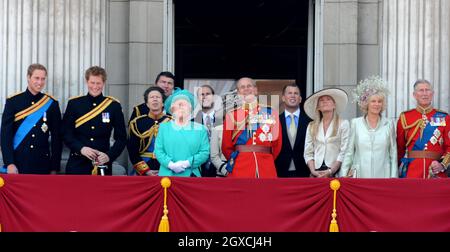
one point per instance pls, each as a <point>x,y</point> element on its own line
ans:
<point>182,145</point>
<point>372,146</point>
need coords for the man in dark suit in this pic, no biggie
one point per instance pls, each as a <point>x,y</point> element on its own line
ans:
<point>209,117</point>
<point>290,161</point>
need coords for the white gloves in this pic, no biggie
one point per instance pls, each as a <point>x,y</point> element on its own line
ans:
<point>175,167</point>
<point>185,164</point>
<point>178,166</point>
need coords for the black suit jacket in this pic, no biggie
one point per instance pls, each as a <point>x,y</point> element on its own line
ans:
<point>288,153</point>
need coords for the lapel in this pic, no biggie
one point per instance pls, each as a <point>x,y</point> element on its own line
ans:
<point>218,118</point>
<point>199,117</point>
<point>302,123</point>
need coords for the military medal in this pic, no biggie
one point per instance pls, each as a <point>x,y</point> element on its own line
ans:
<point>265,128</point>
<point>270,137</point>
<point>262,137</point>
<point>105,117</point>
<point>44,126</point>
<point>433,140</point>
<point>437,121</point>
<point>437,133</point>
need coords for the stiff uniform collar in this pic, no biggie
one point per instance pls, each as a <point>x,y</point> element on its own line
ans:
<point>250,106</point>
<point>97,98</point>
<point>156,117</point>
<point>32,96</point>
<point>424,110</point>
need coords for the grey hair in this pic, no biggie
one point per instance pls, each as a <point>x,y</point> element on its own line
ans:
<point>422,81</point>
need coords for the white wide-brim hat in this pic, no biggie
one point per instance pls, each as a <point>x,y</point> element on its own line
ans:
<point>339,96</point>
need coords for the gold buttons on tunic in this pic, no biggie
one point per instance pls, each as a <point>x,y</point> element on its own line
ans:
<point>32,102</point>
<point>92,139</point>
<point>31,146</point>
<point>92,127</point>
<point>33,135</point>
<point>94,104</point>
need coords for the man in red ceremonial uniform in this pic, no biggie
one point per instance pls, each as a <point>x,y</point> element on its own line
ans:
<point>423,137</point>
<point>251,136</point>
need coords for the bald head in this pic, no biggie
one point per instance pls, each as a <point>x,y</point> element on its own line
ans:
<point>246,88</point>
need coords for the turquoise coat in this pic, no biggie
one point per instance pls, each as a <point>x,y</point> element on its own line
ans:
<point>175,143</point>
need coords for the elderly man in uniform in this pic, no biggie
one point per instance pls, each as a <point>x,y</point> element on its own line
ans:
<point>423,137</point>
<point>88,123</point>
<point>30,118</point>
<point>251,136</point>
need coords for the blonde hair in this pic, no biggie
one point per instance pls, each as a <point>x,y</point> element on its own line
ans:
<point>315,124</point>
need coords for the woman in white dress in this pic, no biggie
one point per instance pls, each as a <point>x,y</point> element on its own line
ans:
<point>327,136</point>
<point>372,147</point>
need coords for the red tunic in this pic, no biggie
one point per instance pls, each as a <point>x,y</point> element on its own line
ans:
<point>266,133</point>
<point>410,127</point>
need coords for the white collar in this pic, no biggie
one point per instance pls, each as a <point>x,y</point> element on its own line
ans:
<point>210,114</point>
<point>288,114</point>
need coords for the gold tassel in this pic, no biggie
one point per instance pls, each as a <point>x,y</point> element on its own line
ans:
<point>94,171</point>
<point>334,185</point>
<point>2,183</point>
<point>164,224</point>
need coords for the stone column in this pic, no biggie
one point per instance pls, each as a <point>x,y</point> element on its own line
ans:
<point>416,35</point>
<point>340,47</point>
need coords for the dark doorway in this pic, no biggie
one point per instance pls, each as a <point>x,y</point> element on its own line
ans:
<point>261,39</point>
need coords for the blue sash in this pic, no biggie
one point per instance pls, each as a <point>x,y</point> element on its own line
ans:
<point>150,148</point>
<point>419,145</point>
<point>27,124</point>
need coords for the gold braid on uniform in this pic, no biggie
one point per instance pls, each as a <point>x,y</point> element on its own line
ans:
<point>420,123</point>
<point>145,140</point>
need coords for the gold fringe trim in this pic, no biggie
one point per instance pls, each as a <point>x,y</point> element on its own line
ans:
<point>2,183</point>
<point>334,185</point>
<point>164,224</point>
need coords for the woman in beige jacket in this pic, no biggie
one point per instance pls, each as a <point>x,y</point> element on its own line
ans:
<point>327,136</point>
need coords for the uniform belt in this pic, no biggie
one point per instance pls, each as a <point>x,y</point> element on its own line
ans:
<point>425,154</point>
<point>253,148</point>
<point>148,155</point>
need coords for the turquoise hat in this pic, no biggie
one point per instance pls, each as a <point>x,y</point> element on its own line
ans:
<point>179,94</point>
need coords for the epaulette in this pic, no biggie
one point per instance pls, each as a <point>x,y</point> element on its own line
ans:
<point>136,118</point>
<point>114,99</point>
<point>413,109</point>
<point>51,96</point>
<point>11,96</point>
<point>75,97</point>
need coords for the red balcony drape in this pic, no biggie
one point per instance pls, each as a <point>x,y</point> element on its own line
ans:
<point>119,203</point>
